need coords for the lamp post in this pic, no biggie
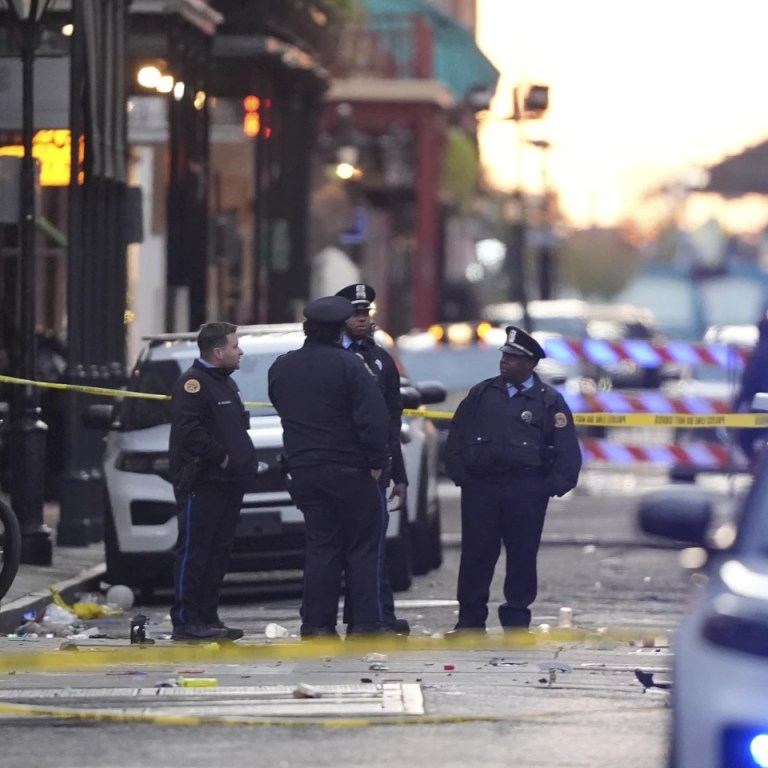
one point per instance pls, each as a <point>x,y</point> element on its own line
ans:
<point>545,236</point>
<point>529,103</point>
<point>27,431</point>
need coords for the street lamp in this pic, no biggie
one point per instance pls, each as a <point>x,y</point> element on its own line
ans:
<point>529,103</point>
<point>27,431</point>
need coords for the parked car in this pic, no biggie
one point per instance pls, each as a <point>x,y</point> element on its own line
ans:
<point>140,519</point>
<point>720,668</point>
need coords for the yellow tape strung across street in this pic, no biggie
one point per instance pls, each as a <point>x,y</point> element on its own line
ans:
<point>680,420</point>
<point>101,715</point>
<point>80,657</point>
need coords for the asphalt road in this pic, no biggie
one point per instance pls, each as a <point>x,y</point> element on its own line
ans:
<point>569,699</point>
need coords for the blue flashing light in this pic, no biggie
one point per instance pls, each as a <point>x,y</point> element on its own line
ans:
<point>655,402</point>
<point>683,353</point>
<point>697,405</point>
<point>726,356</point>
<point>643,353</point>
<point>615,402</point>
<point>600,352</point>
<point>660,454</point>
<point>559,350</point>
<point>758,748</point>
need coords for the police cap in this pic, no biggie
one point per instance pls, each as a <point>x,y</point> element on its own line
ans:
<point>329,309</point>
<point>521,343</point>
<point>360,294</point>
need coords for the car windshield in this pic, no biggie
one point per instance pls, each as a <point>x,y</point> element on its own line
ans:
<point>158,377</point>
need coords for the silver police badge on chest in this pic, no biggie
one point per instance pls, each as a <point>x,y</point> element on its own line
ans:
<point>526,416</point>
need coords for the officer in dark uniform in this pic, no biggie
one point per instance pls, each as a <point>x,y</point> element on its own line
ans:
<point>335,429</point>
<point>512,444</point>
<point>358,338</point>
<point>211,461</point>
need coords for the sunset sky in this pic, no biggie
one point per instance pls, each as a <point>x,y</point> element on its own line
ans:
<point>639,93</point>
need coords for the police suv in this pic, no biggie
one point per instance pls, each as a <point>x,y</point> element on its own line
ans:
<point>140,519</point>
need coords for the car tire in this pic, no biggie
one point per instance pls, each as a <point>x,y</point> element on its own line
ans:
<point>398,554</point>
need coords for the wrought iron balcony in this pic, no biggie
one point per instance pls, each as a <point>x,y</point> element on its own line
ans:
<point>396,46</point>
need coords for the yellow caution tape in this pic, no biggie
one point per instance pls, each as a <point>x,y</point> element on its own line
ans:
<point>122,716</point>
<point>76,657</point>
<point>84,611</point>
<point>741,420</point>
<point>685,420</point>
<point>680,420</point>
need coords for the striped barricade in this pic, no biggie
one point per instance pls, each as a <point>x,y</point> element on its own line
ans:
<point>645,354</point>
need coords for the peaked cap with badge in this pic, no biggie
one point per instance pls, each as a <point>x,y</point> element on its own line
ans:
<point>328,309</point>
<point>360,294</point>
<point>521,344</point>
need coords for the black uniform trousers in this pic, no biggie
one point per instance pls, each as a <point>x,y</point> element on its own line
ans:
<point>387,594</point>
<point>342,508</point>
<point>493,510</point>
<point>208,518</point>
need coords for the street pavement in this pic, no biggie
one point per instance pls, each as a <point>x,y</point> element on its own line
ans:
<point>568,698</point>
<point>75,570</point>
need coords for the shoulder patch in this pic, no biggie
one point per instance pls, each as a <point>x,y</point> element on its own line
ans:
<point>560,420</point>
<point>192,386</point>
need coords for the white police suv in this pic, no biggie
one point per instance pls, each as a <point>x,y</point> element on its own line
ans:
<point>140,518</point>
<point>720,669</point>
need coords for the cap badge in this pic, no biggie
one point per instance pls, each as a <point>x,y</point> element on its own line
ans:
<point>192,386</point>
<point>526,416</point>
<point>512,336</point>
<point>560,420</point>
<point>360,292</point>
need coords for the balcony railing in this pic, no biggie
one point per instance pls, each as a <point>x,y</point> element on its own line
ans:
<point>397,46</point>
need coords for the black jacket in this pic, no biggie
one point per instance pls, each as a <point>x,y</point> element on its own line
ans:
<point>384,369</point>
<point>331,408</point>
<point>208,423</point>
<point>495,436</point>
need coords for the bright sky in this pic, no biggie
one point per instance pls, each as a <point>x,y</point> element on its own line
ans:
<point>639,92</point>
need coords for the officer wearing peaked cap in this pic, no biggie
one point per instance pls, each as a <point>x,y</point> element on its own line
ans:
<point>358,338</point>
<point>511,446</point>
<point>360,294</point>
<point>335,441</point>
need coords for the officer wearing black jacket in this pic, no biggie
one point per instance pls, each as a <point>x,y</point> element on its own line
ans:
<point>512,444</point>
<point>335,427</point>
<point>211,460</point>
<point>358,338</point>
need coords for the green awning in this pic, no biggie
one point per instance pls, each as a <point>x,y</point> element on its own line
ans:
<point>458,61</point>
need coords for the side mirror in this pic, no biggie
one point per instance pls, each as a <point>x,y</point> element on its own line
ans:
<point>680,514</point>
<point>99,417</point>
<point>432,392</point>
<point>411,397</point>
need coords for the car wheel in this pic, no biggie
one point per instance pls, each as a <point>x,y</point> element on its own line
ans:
<point>398,554</point>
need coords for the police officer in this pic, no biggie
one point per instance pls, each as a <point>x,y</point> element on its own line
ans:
<point>512,444</point>
<point>211,460</point>
<point>335,430</point>
<point>358,338</point>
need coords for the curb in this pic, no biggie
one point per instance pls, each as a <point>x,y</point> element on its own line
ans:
<point>453,541</point>
<point>11,613</point>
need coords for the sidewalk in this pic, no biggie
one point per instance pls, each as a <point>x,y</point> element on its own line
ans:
<point>73,570</point>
